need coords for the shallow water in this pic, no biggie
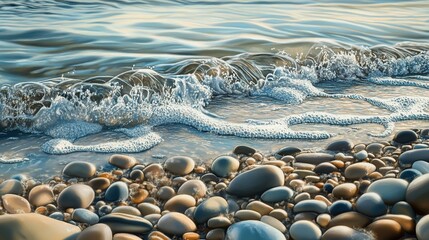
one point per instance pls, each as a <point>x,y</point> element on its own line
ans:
<point>199,77</point>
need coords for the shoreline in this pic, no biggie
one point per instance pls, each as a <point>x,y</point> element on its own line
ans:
<point>347,191</point>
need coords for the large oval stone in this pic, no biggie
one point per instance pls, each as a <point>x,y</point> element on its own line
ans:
<point>405,137</point>
<point>344,233</point>
<point>422,228</point>
<point>304,230</point>
<point>418,194</point>
<point>179,165</point>
<point>310,206</point>
<point>344,145</point>
<point>15,204</point>
<point>253,230</point>
<point>391,190</point>
<point>345,191</point>
<point>359,170</point>
<point>195,188</point>
<point>407,158</point>
<point>211,207</point>
<point>371,204</point>
<point>175,223</point>
<point>116,192</point>
<point>122,161</point>
<point>250,183</point>
<point>41,195</point>
<point>11,186</point>
<point>79,169</point>
<point>225,165</point>
<point>97,232</point>
<point>76,196</point>
<point>277,194</point>
<point>350,219</point>
<point>180,203</point>
<point>83,215</point>
<point>125,223</point>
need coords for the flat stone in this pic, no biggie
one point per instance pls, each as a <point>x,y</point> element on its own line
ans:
<point>359,170</point>
<point>391,190</point>
<point>180,203</point>
<point>277,194</point>
<point>223,166</point>
<point>153,170</point>
<point>418,194</point>
<point>125,223</point>
<point>76,196</point>
<point>344,233</point>
<point>179,165</point>
<point>116,192</point>
<point>246,214</point>
<point>148,208</point>
<point>314,158</point>
<point>304,230</point>
<point>344,145</point>
<point>407,223</point>
<point>176,224</point>
<point>422,228</point>
<point>210,208</point>
<point>350,219</point>
<point>15,204</point>
<point>35,227</point>
<point>345,191</point>
<point>279,214</point>
<point>375,148</point>
<point>122,161</point>
<point>287,151</point>
<point>310,206</point>
<point>325,168</point>
<point>218,222</point>
<point>274,222</point>
<point>245,150</point>
<point>79,169</point>
<point>194,188</point>
<point>407,158</point>
<point>371,204</point>
<point>11,186</point>
<point>153,218</point>
<point>405,137</point>
<point>385,229</point>
<point>101,183</point>
<point>249,183</point>
<point>127,210</point>
<point>253,230</point>
<point>421,166</point>
<point>216,234</point>
<point>83,215</point>
<point>96,232</point>
<point>260,207</point>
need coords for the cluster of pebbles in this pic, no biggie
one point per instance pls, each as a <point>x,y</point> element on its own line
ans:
<point>364,191</point>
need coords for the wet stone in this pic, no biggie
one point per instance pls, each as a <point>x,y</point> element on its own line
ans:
<point>314,158</point>
<point>287,151</point>
<point>101,183</point>
<point>11,186</point>
<point>340,206</point>
<point>179,165</point>
<point>76,196</point>
<point>405,137</point>
<point>371,204</point>
<point>223,166</point>
<point>79,169</point>
<point>15,204</point>
<point>245,150</point>
<point>122,161</point>
<point>125,223</point>
<point>84,216</point>
<point>340,146</point>
<point>176,224</point>
<point>118,191</point>
<point>325,168</point>
<point>209,208</point>
<point>41,195</point>
<point>277,194</point>
<point>409,174</point>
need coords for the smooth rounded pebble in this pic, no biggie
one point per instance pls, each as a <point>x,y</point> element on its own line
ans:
<point>277,194</point>
<point>101,183</point>
<point>148,208</point>
<point>418,194</point>
<point>180,203</point>
<point>405,137</point>
<point>125,236</point>
<point>246,214</point>
<point>35,227</point>
<point>11,186</point>
<point>391,190</point>
<point>385,229</point>
<point>176,224</point>
<point>244,150</point>
<point>310,206</point>
<point>407,158</point>
<point>83,215</point>
<point>223,166</point>
<point>407,223</point>
<point>289,150</point>
<point>218,222</point>
<point>421,166</point>
<point>422,228</point>
<point>125,223</point>
<point>216,234</point>
<point>259,207</point>
<point>344,233</point>
<point>179,165</point>
<point>96,232</point>
<point>15,204</point>
<point>127,210</point>
<point>361,155</point>
<point>209,208</point>
<point>194,188</point>
<point>340,206</point>
<point>350,219</point>
<point>274,222</point>
<point>76,196</point>
<point>403,208</point>
<point>371,204</point>
<point>305,230</point>
<point>122,161</point>
<point>314,158</point>
<point>325,168</point>
<point>116,192</point>
<point>79,169</point>
<point>345,191</point>
<point>359,170</point>
<point>250,183</point>
<point>253,230</point>
<point>409,174</point>
<point>344,145</point>
<point>165,192</point>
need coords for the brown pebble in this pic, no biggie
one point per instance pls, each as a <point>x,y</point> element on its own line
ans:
<point>259,207</point>
<point>180,203</point>
<point>165,193</point>
<point>350,219</point>
<point>247,215</point>
<point>42,210</point>
<point>157,235</point>
<point>42,195</point>
<point>15,204</point>
<point>122,161</point>
<point>359,170</point>
<point>153,170</point>
<point>139,196</point>
<point>190,236</point>
<point>385,229</point>
<point>280,214</point>
<point>216,234</point>
<point>345,191</point>
<point>101,183</point>
<point>407,223</point>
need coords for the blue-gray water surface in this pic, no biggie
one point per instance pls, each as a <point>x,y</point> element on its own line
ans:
<point>80,80</point>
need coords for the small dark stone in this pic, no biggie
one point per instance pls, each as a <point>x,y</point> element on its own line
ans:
<point>287,151</point>
<point>209,177</point>
<point>405,137</point>
<point>244,150</point>
<point>409,174</point>
<point>325,168</point>
<point>340,206</point>
<point>340,146</point>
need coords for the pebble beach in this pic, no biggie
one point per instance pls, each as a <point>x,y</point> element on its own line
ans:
<point>347,191</point>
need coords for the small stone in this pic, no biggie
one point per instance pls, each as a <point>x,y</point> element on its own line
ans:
<point>345,191</point>
<point>137,175</point>
<point>344,233</point>
<point>153,218</point>
<point>350,219</point>
<point>127,236</point>
<point>344,145</point>
<point>138,195</point>
<point>249,183</point>
<point>405,137</point>
<point>100,183</point>
<point>176,224</point>
<point>340,206</point>
<point>305,230</point>
<point>225,165</point>
<point>403,208</point>
<point>41,195</point>
<point>166,192</point>
<point>11,186</point>
<point>116,192</point>
<point>179,165</point>
<point>359,170</point>
<point>311,206</point>
<point>287,151</point>
<point>279,214</point>
<point>385,229</point>
<point>84,216</point>
<point>153,170</point>
<point>194,188</point>
<point>245,214</point>
<point>409,174</point>
<point>361,155</point>
<point>323,220</point>
<point>76,196</point>
<point>35,227</point>
<point>245,150</point>
<point>209,208</point>
<point>191,236</point>
<point>375,148</point>
<point>418,194</point>
<point>259,207</point>
<point>253,230</point>
<point>157,235</point>
<point>148,208</point>
<point>218,222</point>
<point>314,158</point>
<point>96,232</point>
<point>422,228</point>
<point>122,161</point>
<point>371,204</point>
<point>391,190</point>
<point>216,234</point>
<point>209,177</point>
<point>125,223</point>
<point>15,204</point>
<point>180,203</point>
<point>79,169</point>
<point>277,194</point>
<point>127,210</point>
<point>325,168</point>
<point>273,222</point>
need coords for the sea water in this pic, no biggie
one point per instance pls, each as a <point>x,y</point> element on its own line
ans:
<point>81,80</point>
